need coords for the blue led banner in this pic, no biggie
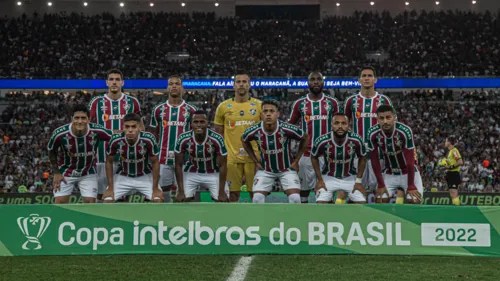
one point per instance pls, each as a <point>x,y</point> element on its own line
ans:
<point>385,83</point>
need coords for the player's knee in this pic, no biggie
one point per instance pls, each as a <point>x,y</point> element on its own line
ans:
<point>234,196</point>
<point>294,198</point>
<point>88,200</point>
<point>258,198</point>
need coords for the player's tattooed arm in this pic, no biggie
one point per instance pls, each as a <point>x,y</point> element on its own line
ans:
<point>248,148</point>
<point>179,161</point>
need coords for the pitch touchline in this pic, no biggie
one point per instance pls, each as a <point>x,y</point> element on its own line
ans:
<point>241,269</point>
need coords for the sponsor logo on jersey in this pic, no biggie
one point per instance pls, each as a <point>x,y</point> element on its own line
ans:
<point>273,151</point>
<point>242,112</point>
<point>253,111</point>
<point>318,117</point>
<point>339,161</point>
<point>365,115</point>
<point>81,154</point>
<point>133,161</point>
<point>106,117</point>
<point>173,123</point>
<point>201,159</point>
<point>233,124</point>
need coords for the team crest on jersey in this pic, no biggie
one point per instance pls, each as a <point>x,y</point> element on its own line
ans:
<point>142,151</point>
<point>253,111</point>
<point>327,150</point>
<point>242,113</point>
<point>186,114</point>
<point>282,138</point>
<point>229,106</point>
<point>258,140</point>
<point>398,140</point>
<point>351,149</point>
<point>189,144</point>
<point>211,147</point>
<point>126,106</point>
<point>327,106</point>
<point>379,103</point>
<point>379,140</point>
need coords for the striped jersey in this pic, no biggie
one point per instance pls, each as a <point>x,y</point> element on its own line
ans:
<point>134,159</point>
<point>363,111</point>
<point>314,117</point>
<point>202,157</point>
<point>173,121</point>
<point>78,153</point>
<point>392,147</point>
<point>109,113</point>
<point>339,158</point>
<point>275,152</point>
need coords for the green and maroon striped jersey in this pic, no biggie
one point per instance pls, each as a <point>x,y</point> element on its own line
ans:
<point>78,157</point>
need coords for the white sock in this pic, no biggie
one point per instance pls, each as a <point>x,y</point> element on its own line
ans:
<point>304,200</point>
<point>294,198</point>
<point>259,198</point>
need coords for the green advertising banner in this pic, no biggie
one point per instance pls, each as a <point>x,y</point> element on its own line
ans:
<point>200,228</point>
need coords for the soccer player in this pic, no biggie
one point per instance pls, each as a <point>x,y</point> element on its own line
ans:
<point>362,111</point>
<point>395,140</point>
<point>108,110</point>
<point>206,165</point>
<point>314,113</point>
<point>232,117</point>
<point>453,163</point>
<point>273,138</point>
<point>170,120</point>
<point>135,149</point>
<point>79,142</point>
<point>339,148</point>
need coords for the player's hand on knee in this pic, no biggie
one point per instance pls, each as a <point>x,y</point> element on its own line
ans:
<point>157,196</point>
<point>360,188</point>
<point>180,197</point>
<point>320,187</point>
<point>109,196</point>
<point>379,193</point>
<point>258,166</point>
<point>415,195</point>
<point>295,166</point>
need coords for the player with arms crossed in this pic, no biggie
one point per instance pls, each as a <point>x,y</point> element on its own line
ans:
<point>108,110</point>
<point>135,149</point>
<point>339,148</point>
<point>362,111</point>
<point>273,138</point>
<point>314,113</point>
<point>395,140</point>
<point>206,166</point>
<point>453,163</point>
<point>170,120</point>
<point>79,142</point>
<point>232,118</point>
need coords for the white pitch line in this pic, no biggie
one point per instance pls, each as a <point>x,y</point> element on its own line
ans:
<point>241,269</point>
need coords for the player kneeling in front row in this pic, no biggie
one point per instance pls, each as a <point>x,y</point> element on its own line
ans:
<point>395,139</point>
<point>273,138</point>
<point>79,142</point>
<point>206,166</point>
<point>135,149</point>
<point>339,149</point>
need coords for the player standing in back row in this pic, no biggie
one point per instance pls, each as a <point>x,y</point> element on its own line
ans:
<point>109,110</point>
<point>362,111</point>
<point>170,120</point>
<point>232,118</point>
<point>314,113</point>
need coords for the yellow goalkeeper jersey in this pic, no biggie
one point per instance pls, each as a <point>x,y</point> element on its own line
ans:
<point>236,117</point>
<point>453,157</point>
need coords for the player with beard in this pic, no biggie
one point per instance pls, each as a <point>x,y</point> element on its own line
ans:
<point>139,165</point>
<point>206,163</point>
<point>314,114</point>
<point>273,138</point>
<point>170,120</point>
<point>339,149</point>
<point>395,140</point>
<point>362,111</point>
<point>79,142</point>
<point>108,110</point>
<point>232,118</point>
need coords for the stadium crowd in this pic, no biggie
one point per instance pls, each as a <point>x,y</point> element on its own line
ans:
<point>28,120</point>
<point>145,45</point>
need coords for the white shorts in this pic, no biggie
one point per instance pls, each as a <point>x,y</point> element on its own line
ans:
<point>369,178</point>
<point>87,185</point>
<point>211,181</point>
<point>393,182</point>
<point>123,185</point>
<point>264,181</point>
<point>102,179</point>
<point>306,172</point>
<point>167,175</point>
<point>334,184</point>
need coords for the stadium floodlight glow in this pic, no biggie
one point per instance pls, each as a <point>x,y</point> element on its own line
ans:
<point>49,4</point>
<point>151,4</point>
<point>338,4</point>
<point>85,4</point>
<point>407,3</point>
<point>372,3</point>
<point>437,2</point>
<point>19,3</point>
<point>183,4</point>
<point>474,2</point>
<point>216,4</point>
<point>122,4</point>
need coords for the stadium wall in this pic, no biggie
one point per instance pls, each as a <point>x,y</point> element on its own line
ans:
<point>227,7</point>
<point>104,229</point>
